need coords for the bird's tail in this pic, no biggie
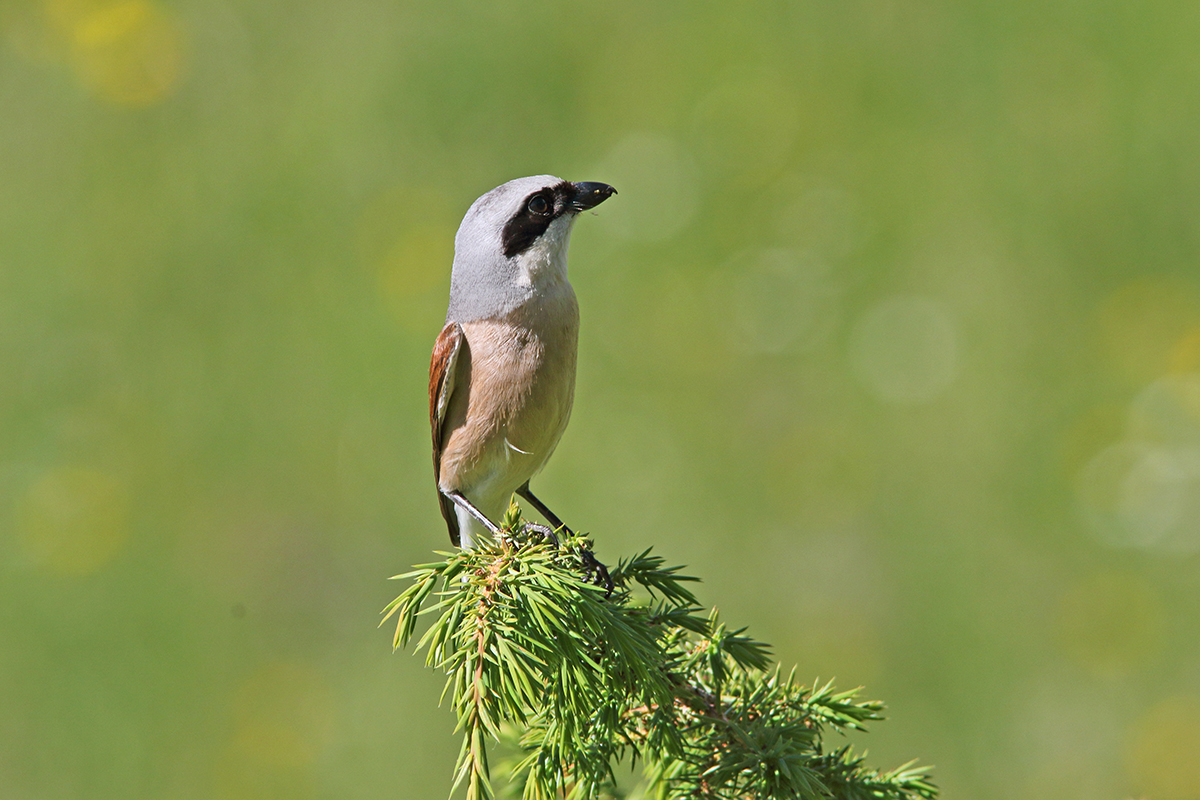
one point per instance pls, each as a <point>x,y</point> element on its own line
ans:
<point>470,530</point>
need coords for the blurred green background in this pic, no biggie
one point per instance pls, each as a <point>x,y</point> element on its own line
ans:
<point>892,335</point>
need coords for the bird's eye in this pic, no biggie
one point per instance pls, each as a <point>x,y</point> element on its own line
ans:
<point>539,204</point>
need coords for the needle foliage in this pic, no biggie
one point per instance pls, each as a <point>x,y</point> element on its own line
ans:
<point>579,680</point>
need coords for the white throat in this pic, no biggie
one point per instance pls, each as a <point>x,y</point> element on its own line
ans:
<point>544,264</point>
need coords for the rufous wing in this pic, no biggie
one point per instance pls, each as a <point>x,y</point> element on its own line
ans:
<point>441,386</point>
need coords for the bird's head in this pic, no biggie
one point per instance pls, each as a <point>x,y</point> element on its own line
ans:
<point>514,239</point>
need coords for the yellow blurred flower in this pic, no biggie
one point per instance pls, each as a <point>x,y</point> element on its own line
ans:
<point>1185,355</point>
<point>1162,756</point>
<point>128,52</point>
<point>73,521</point>
<point>284,716</point>
<point>1146,326</point>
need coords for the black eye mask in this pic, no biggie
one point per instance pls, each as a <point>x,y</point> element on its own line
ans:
<point>527,225</point>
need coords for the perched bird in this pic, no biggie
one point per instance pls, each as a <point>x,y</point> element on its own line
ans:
<point>502,377</point>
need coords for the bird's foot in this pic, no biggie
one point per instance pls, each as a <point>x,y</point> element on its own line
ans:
<point>544,531</point>
<point>596,570</point>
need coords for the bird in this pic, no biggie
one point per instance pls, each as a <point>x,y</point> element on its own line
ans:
<point>502,372</point>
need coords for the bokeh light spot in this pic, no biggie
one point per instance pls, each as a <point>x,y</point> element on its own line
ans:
<point>778,300</point>
<point>73,521</point>
<point>1134,494</point>
<point>746,127</point>
<point>1168,411</point>
<point>1110,623</point>
<point>1154,495</point>
<point>1144,491</point>
<point>905,350</point>
<point>1162,756</point>
<point>284,715</point>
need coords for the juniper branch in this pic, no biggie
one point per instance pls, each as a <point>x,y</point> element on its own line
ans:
<point>584,680</point>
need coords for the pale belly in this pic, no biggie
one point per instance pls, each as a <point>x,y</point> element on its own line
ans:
<point>502,430</point>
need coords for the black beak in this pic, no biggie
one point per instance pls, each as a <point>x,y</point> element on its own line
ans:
<point>589,195</point>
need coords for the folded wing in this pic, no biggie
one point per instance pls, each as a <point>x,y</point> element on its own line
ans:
<point>441,386</point>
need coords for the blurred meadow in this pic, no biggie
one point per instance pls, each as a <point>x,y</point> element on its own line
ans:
<point>892,335</point>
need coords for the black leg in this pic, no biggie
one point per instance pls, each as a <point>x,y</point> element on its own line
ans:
<point>593,566</point>
<point>524,492</point>
<point>463,502</point>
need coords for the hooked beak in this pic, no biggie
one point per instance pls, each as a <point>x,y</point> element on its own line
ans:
<point>589,195</point>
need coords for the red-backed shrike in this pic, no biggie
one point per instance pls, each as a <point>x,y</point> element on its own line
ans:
<point>502,377</point>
